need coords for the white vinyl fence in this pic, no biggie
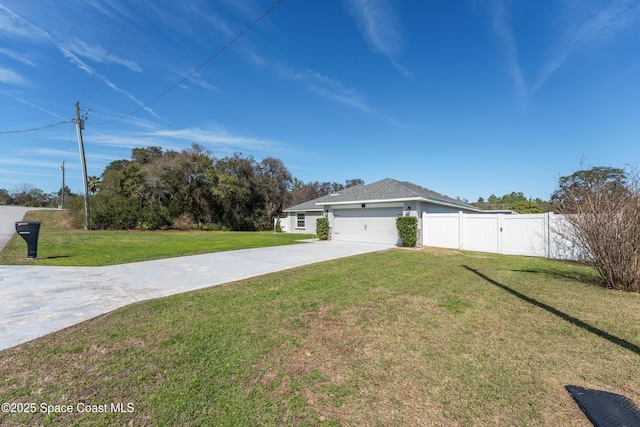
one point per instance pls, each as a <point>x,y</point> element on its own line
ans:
<point>541,235</point>
<point>284,224</point>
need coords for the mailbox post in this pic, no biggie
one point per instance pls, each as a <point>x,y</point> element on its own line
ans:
<point>29,231</point>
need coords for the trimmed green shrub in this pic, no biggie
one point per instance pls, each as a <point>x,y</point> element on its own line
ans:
<point>407,230</point>
<point>322,228</point>
<point>278,226</point>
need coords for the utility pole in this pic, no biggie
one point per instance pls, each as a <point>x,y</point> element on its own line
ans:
<point>62,191</point>
<point>79,121</point>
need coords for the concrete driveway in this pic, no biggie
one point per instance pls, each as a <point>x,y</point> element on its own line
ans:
<point>9,215</point>
<point>40,300</point>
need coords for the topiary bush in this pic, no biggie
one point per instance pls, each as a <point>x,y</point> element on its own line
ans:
<point>322,228</point>
<point>407,230</point>
<point>278,227</point>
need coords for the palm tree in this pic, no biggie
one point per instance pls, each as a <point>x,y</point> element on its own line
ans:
<point>92,183</point>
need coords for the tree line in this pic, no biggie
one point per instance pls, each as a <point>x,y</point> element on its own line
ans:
<point>515,201</point>
<point>28,195</point>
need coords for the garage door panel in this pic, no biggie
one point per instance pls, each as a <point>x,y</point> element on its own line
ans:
<point>366,225</point>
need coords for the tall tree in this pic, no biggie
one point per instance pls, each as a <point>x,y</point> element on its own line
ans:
<point>305,193</point>
<point>146,155</point>
<point>296,184</point>
<point>572,188</point>
<point>275,181</point>
<point>237,189</point>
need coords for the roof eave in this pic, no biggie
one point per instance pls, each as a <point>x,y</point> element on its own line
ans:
<point>403,199</point>
<point>303,210</point>
<point>350,202</point>
<point>453,205</point>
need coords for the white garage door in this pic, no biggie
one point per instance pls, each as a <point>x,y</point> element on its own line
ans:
<point>376,225</point>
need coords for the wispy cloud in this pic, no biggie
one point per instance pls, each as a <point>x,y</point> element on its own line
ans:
<point>500,23</point>
<point>43,153</point>
<point>119,140</point>
<point>97,53</point>
<point>213,135</point>
<point>18,56</point>
<point>337,91</point>
<point>12,25</point>
<point>31,104</point>
<point>110,9</point>
<point>321,85</point>
<point>89,70</point>
<point>198,80</point>
<point>12,78</point>
<point>31,161</point>
<point>217,137</point>
<point>379,25</point>
<point>189,18</point>
<point>582,29</point>
<point>331,89</point>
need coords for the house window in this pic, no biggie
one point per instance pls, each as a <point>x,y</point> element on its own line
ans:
<point>300,220</point>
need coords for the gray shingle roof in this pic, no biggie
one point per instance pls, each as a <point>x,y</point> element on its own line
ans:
<point>312,204</point>
<point>386,189</point>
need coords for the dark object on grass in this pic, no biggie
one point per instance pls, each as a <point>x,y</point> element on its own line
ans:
<point>605,409</point>
<point>29,231</point>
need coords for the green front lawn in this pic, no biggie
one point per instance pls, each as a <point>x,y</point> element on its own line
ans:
<point>402,337</point>
<point>58,246</point>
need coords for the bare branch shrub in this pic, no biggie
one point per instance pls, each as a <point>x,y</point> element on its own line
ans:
<point>604,221</point>
<point>182,223</point>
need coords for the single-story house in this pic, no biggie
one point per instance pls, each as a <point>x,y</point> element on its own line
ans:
<point>367,213</point>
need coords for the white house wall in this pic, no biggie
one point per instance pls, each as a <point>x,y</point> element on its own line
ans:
<point>310,222</point>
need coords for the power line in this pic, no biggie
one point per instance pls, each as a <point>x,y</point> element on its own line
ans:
<point>106,55</point>
<point>199,67</point>
<point>35,129</point>
<point>144,23</point>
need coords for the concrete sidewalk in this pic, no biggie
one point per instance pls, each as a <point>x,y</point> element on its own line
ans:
<point>40,300</point>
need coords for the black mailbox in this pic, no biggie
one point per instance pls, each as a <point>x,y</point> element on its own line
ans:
<point>29,231</point>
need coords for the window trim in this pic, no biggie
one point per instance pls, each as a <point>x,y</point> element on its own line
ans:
<point>302,220</point>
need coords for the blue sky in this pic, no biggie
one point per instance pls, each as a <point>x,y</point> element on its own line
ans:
<point>467,98</point>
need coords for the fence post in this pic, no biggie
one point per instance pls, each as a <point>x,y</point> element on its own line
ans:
<point>460,230</point>
<point>547,218</point>
<point>499,230</point>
